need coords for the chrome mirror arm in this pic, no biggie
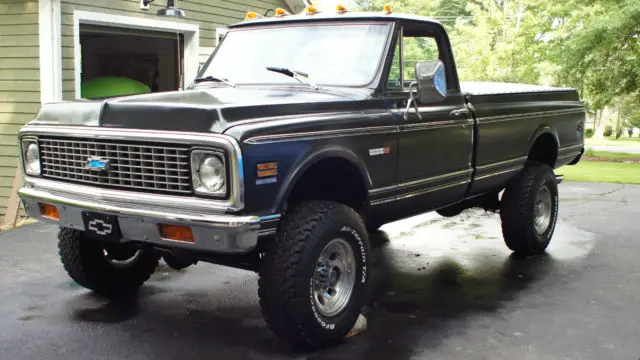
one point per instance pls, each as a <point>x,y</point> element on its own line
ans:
<point>412,101</point>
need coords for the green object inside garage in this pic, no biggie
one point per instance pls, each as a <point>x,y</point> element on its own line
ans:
<point>111,86</point>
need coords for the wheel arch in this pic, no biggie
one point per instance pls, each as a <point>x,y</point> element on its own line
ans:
<point>544,145</point>
<point>345,157</point>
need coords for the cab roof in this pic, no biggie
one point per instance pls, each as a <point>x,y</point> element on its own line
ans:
<point>332,16</point>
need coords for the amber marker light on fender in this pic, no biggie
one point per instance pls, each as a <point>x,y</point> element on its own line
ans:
<point>176,233</point>
<point>49,211</point>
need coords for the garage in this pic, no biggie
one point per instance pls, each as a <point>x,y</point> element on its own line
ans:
<point>117,61</point>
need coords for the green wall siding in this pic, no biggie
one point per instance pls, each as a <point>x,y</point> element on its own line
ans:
<point>208,14</point>
<point>19,82</point>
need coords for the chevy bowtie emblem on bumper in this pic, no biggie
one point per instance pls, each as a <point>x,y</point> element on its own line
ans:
<point>98,164</point>
<point>100,227</point>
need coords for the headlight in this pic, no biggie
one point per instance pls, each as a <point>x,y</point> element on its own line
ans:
<point>31,156</point>
<point>209,173</point>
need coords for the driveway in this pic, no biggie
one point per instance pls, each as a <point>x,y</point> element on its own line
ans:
<point>444,289</point>
<point>616,148</point>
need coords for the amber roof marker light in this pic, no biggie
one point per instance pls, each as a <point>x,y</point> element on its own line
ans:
<point>252,15</point>
<point>387,9</point>
<point>341,9</point>
<point>281,12</point>
<point>311,10</point>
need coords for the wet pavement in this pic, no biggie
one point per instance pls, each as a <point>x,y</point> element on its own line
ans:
<point>443,289</point>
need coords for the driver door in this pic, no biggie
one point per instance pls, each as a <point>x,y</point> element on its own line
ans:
<point>435,148</point>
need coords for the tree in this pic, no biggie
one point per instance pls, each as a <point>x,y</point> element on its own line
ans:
<point>630,111</point>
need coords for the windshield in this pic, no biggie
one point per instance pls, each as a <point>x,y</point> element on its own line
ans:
<point>338,55</point>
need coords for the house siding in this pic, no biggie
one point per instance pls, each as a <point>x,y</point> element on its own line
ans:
<point>19,83</point>
<point>208,14</point>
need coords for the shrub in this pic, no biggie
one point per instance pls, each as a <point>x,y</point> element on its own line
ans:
<point>588,133</point>
<point>630,132</point>
<point>589,152</point>
<point>608,131</point>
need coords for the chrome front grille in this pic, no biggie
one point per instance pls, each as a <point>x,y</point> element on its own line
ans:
<point>152,167</point>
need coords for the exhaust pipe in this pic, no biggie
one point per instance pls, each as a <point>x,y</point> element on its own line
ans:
<point>559,179</point>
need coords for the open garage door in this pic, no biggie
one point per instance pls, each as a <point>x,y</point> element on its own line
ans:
<point>150,58</point>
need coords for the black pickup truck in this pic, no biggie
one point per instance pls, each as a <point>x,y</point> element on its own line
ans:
<point>300,134</point>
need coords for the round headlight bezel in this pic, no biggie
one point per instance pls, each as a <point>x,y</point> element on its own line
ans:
<point>31,157</point>
<point>207,163</point>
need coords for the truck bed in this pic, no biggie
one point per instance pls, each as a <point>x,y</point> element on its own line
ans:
<point>494,88</point>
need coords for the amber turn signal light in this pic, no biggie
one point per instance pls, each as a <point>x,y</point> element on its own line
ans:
<point>176,233</point>
<point>49,211</point>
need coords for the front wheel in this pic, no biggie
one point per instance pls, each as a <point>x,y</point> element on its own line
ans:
<point>529,210</point>
<point>314,276</point>
<point>108,269</point>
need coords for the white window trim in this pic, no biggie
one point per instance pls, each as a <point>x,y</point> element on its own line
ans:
<point>49,19</point>
<point>191,33</point>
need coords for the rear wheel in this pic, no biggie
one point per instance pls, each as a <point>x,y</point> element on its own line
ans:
<point>108,269</point>
<point>529,210</point>
<point>177,263</point>
<point>314,276</point>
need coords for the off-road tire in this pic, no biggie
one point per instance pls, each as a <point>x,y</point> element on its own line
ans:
<point>517,210</point>
<point>176,263</point>
<point>84,260</point>
<point>285,289</point>
<point>450,211</point>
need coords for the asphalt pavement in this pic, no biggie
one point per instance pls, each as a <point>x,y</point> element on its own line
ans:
<point>616,148</point>
<point>443,289</point>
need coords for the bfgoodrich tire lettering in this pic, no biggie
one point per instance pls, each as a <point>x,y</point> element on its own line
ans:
<point>517,210</point>
<point>286,284</point>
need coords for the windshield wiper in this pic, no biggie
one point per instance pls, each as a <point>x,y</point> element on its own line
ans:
<point>300,76</point>
<point>215,79</point>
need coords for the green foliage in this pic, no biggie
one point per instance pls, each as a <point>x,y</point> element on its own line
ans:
<point>630,110</point>
<point>608,131</point>
<point>588,133</point>
<point>591,45</point>
<point>589,152</point>
<point>630,132</point>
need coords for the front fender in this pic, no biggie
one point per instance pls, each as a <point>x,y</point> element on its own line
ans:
<point>311,158</point>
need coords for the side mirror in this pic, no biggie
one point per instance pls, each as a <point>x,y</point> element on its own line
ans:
<point>432,82</point>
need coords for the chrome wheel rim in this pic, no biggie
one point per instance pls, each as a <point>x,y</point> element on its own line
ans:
<point>334,278</point>
<point>542,210</point>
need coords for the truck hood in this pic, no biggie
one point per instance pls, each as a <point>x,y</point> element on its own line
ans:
<point>200,110</point>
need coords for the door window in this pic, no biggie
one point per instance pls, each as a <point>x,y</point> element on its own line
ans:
<point>415,49</point>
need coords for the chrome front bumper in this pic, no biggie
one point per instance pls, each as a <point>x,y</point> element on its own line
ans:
<point>139,217</point>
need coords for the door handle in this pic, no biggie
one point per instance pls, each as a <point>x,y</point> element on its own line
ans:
<point>460,112</point>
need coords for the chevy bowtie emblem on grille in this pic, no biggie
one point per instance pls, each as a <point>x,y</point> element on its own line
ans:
<point>100,227</point>
<point>98,164</point>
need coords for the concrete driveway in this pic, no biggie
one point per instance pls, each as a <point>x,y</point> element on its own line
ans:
<point>616,148</point>
<point>444,289</point>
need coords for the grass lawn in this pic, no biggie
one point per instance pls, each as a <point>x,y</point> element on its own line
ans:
<point>600,171</point>
<point>611,156</point>
<point>611,141</point>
